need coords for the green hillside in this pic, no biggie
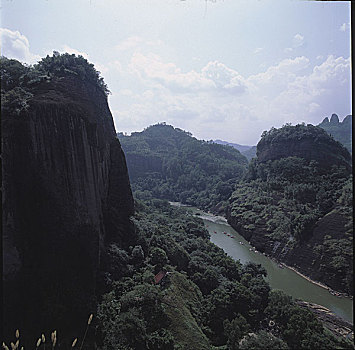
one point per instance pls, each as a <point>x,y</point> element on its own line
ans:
<point>168,163</point>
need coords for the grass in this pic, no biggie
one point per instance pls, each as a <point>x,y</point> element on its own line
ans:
<point>41,342</point>
<point>184,327</point>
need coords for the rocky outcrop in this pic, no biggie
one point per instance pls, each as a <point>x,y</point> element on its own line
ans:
<point>340,131</point>
<point>338,326</point>
<point>66,196</point>
<point>302,256</point>
<point>308,142</point>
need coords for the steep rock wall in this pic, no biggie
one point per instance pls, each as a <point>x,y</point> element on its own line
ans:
<point>302,256</point>
<point>66,196</point>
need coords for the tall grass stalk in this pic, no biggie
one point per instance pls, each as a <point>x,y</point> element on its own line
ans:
<point>86,330</point>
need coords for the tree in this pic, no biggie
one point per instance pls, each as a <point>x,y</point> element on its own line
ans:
<point>262,340</point>
<point>235,330</point>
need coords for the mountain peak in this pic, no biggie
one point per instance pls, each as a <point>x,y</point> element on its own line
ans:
<point>334,119</point>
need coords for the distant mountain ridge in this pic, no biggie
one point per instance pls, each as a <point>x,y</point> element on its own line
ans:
<point>247,151</point>
<point>240,148</point>
<point>340,131</point>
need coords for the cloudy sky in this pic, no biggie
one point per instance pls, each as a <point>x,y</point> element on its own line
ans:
<point>225,69</point>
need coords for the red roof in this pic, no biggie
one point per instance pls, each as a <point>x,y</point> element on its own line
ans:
<point>159,277</point>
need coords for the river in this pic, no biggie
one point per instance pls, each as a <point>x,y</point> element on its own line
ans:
<point>279,278</point>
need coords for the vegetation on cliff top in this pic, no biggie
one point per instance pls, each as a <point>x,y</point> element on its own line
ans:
<point>168,163</point>
<point>18,80</point>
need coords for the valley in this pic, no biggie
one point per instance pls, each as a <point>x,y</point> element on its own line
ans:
<point>89,229</point>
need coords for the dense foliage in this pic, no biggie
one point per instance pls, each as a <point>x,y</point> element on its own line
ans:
<point>207,300</point>
<point>168,163</point>
<point>282,200</point>
<point>341,131</point>
<point>18,80</point>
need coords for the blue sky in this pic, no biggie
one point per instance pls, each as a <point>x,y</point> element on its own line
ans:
<point>223,69</point>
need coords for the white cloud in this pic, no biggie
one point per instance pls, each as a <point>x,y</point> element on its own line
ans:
<point>258,49</point>
<point>116,65</point>
<point>126,92</point>
<point>228,105</point>
<point>15,45</point>
<point>101,68</point>
<point>313,107</point>
<point>68,49</point>
<point>276,78</point>
<point>325,90</point>
<point>298,40</point>
<point>344,27</point>
<point>151,68</point>
<point>136,43</point>
<point>129,43</point>
<point>225,78</point>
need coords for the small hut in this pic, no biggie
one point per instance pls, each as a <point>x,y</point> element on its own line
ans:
<point>159,276</point>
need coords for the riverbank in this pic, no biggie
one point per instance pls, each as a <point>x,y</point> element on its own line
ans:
<point>335,324</point>
<point>214,217</point>
<point>279,276</point>
<point>320,284</point>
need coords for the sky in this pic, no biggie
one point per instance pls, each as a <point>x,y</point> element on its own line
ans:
<point>220,69</point>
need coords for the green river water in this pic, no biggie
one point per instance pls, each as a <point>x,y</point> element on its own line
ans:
<point>279,278</point>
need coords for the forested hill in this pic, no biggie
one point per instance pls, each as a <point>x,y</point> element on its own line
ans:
<point>341,131</point>
<point>168,163</point>
<point>297,203</point>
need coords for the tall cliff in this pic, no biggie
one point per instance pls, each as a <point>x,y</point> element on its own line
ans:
<point>296,203</point>
<point>66,196</point>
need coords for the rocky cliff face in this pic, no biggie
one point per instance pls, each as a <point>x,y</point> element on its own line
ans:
<point>302,256</point>
<point>66,196</point>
